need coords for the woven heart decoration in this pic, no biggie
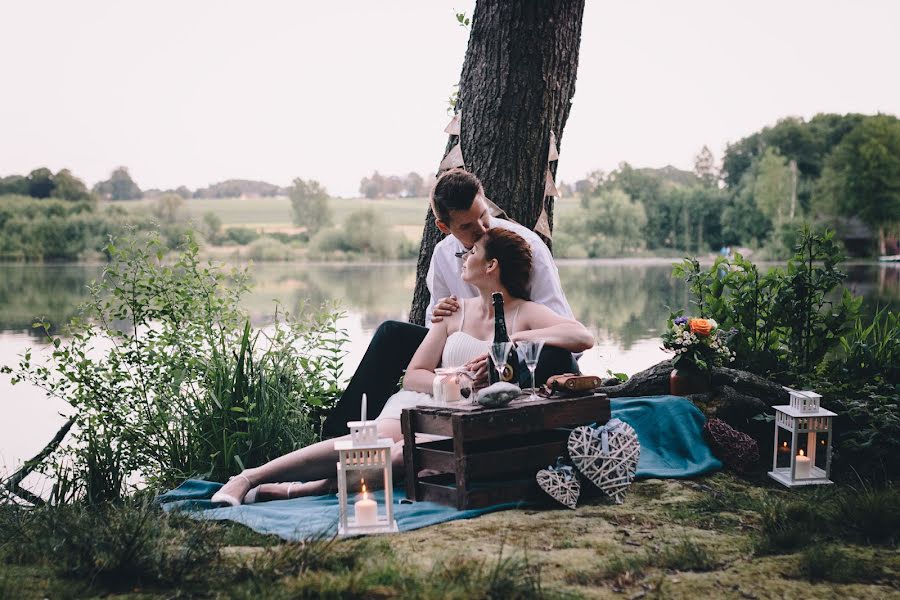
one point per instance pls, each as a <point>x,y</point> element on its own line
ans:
<point>561,484</point>
<point>607,456</point>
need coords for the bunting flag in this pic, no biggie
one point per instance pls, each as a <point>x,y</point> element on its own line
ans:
<point>452,127</point>
<point>496,211</point>
<point>554,151</point>
<point>543,223</point>
<point>550,185</point>
<point>454,158</point>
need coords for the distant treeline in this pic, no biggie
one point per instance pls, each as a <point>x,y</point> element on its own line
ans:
<point>834,171</point>
<point>411,185</point>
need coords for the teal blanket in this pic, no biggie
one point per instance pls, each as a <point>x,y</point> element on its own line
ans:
<point>668,427</point>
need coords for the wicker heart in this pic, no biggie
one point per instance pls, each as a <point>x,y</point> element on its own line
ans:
<point>561,486</point>
<point>610,469</point>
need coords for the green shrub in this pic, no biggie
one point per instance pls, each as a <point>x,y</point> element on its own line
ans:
<point>269,249</point>
<point>786,320</point>
<point>186,387</point>
<point>364,234</point>
<point>240,235</point>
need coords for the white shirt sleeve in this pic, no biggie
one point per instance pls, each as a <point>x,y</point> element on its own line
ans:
<point>545,286</point>
<point>436,282</point>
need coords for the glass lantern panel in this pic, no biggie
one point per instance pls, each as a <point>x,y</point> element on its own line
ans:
<point>783,454</point>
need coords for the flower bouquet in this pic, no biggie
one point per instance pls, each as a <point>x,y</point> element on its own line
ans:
<point>698,344</point>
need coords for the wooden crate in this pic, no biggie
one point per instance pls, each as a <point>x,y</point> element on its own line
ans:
<point>491,454</point>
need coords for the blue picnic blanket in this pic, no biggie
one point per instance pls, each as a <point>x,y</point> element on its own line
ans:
<point>669,429</point>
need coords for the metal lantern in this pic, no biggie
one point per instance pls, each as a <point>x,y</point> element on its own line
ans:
<point>371,456</point>
<point>800,459</point>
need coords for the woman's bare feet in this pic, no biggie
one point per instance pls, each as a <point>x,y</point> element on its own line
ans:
<point>233,492</point>
<point>296,489</point>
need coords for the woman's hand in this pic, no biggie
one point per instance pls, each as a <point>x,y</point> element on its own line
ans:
<point>478,366</point>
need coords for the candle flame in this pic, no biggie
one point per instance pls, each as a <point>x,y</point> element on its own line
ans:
<point>364,493</point>
<point>784,444</point>
<point>802,453</point>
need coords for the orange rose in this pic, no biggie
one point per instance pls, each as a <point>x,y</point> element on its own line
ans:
<point>700,326</point>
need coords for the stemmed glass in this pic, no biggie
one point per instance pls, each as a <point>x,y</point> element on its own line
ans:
<point>499,354</point>
<point>531,351</point>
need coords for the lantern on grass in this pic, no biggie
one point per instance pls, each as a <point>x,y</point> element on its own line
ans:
<point>369,457</point>
<point>803,432</point>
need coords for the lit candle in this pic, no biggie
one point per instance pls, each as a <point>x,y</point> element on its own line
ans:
<point>363,417</point>
<point>783,448</point>
<point>366,510</point>
<point>802,471</point>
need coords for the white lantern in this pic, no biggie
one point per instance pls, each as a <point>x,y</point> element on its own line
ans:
<point>371,457</point>
<point>803,432</point>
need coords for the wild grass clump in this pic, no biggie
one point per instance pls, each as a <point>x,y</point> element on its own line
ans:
<point>111,545</point>
<point>828,562</point>
<point>624,569</point>
<point>183,386</point>
<point>863,514</point>
<point>685,555</point>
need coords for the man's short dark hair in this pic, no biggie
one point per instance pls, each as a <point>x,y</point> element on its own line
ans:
<point>455,190</point>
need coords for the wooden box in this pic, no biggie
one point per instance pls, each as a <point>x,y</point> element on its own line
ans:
<point>491,454</point>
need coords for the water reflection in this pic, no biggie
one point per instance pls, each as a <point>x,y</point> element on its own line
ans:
<point>53,292</point>
<point>625,303</point>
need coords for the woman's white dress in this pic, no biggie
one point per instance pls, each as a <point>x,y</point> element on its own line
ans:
<point>459,349</point>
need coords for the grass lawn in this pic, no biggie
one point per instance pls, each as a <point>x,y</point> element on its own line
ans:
<point>710,538</point>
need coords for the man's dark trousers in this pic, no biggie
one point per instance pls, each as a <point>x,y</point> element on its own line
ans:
<point>389,353</point>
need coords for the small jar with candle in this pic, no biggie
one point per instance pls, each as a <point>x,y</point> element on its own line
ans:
<point>367,458</point>
<point>803,436</point>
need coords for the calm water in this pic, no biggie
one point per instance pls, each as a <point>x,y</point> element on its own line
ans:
<point>625,303</point>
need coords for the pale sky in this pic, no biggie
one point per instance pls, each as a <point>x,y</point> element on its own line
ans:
<point>194,92</point>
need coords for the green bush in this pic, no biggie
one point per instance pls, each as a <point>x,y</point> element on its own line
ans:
<point>786,320</point>
<point>186,387</point>
<point>364,234</point>
<point>240,235</point>
<point>269,249</point>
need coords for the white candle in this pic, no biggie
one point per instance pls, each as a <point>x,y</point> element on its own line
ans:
<point>366,510</point>
<point>802,471</point>
<point>363,417</point>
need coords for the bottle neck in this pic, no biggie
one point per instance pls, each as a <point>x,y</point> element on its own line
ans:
<point>500,334</point>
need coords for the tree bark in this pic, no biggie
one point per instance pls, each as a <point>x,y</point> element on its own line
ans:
<point>517,84</point>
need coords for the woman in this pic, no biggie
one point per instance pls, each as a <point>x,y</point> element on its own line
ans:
<point>499,261</point>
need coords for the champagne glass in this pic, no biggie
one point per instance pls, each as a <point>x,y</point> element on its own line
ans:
<point>531,351</point>
<point>499,354</point>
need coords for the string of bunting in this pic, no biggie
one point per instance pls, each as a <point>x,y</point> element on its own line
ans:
<point>454,158</point>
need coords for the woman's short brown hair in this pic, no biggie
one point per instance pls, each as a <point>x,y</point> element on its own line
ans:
<point>514,255</point>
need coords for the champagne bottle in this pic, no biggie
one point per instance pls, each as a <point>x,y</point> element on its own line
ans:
<point>510,372</point>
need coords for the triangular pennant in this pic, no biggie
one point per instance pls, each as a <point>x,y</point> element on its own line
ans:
<point>543,224</point>
<point>452,127</point>
<point>554,151</point>
<point>550,185</point>
<point>454,158</point>
<point>495,210</point>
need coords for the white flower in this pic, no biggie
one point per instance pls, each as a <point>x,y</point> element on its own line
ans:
<point>713,322</point>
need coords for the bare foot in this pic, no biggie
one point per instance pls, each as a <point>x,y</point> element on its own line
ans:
<point>296,489</point>
<point>233,492</point>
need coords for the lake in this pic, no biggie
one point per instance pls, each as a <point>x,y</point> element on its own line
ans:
<point>624,302</point>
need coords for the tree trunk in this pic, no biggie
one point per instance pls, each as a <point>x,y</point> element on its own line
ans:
<point>517,84</point>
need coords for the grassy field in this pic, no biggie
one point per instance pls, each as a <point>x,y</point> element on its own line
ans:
<point>274,214</point>
<point>717,537</point>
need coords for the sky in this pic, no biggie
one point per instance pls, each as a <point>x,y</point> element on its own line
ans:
<point>195,92</point>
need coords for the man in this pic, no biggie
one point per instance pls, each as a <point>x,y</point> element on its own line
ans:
<point>462,213</point>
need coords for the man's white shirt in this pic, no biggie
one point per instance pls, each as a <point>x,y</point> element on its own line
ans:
<point>445,272</point>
